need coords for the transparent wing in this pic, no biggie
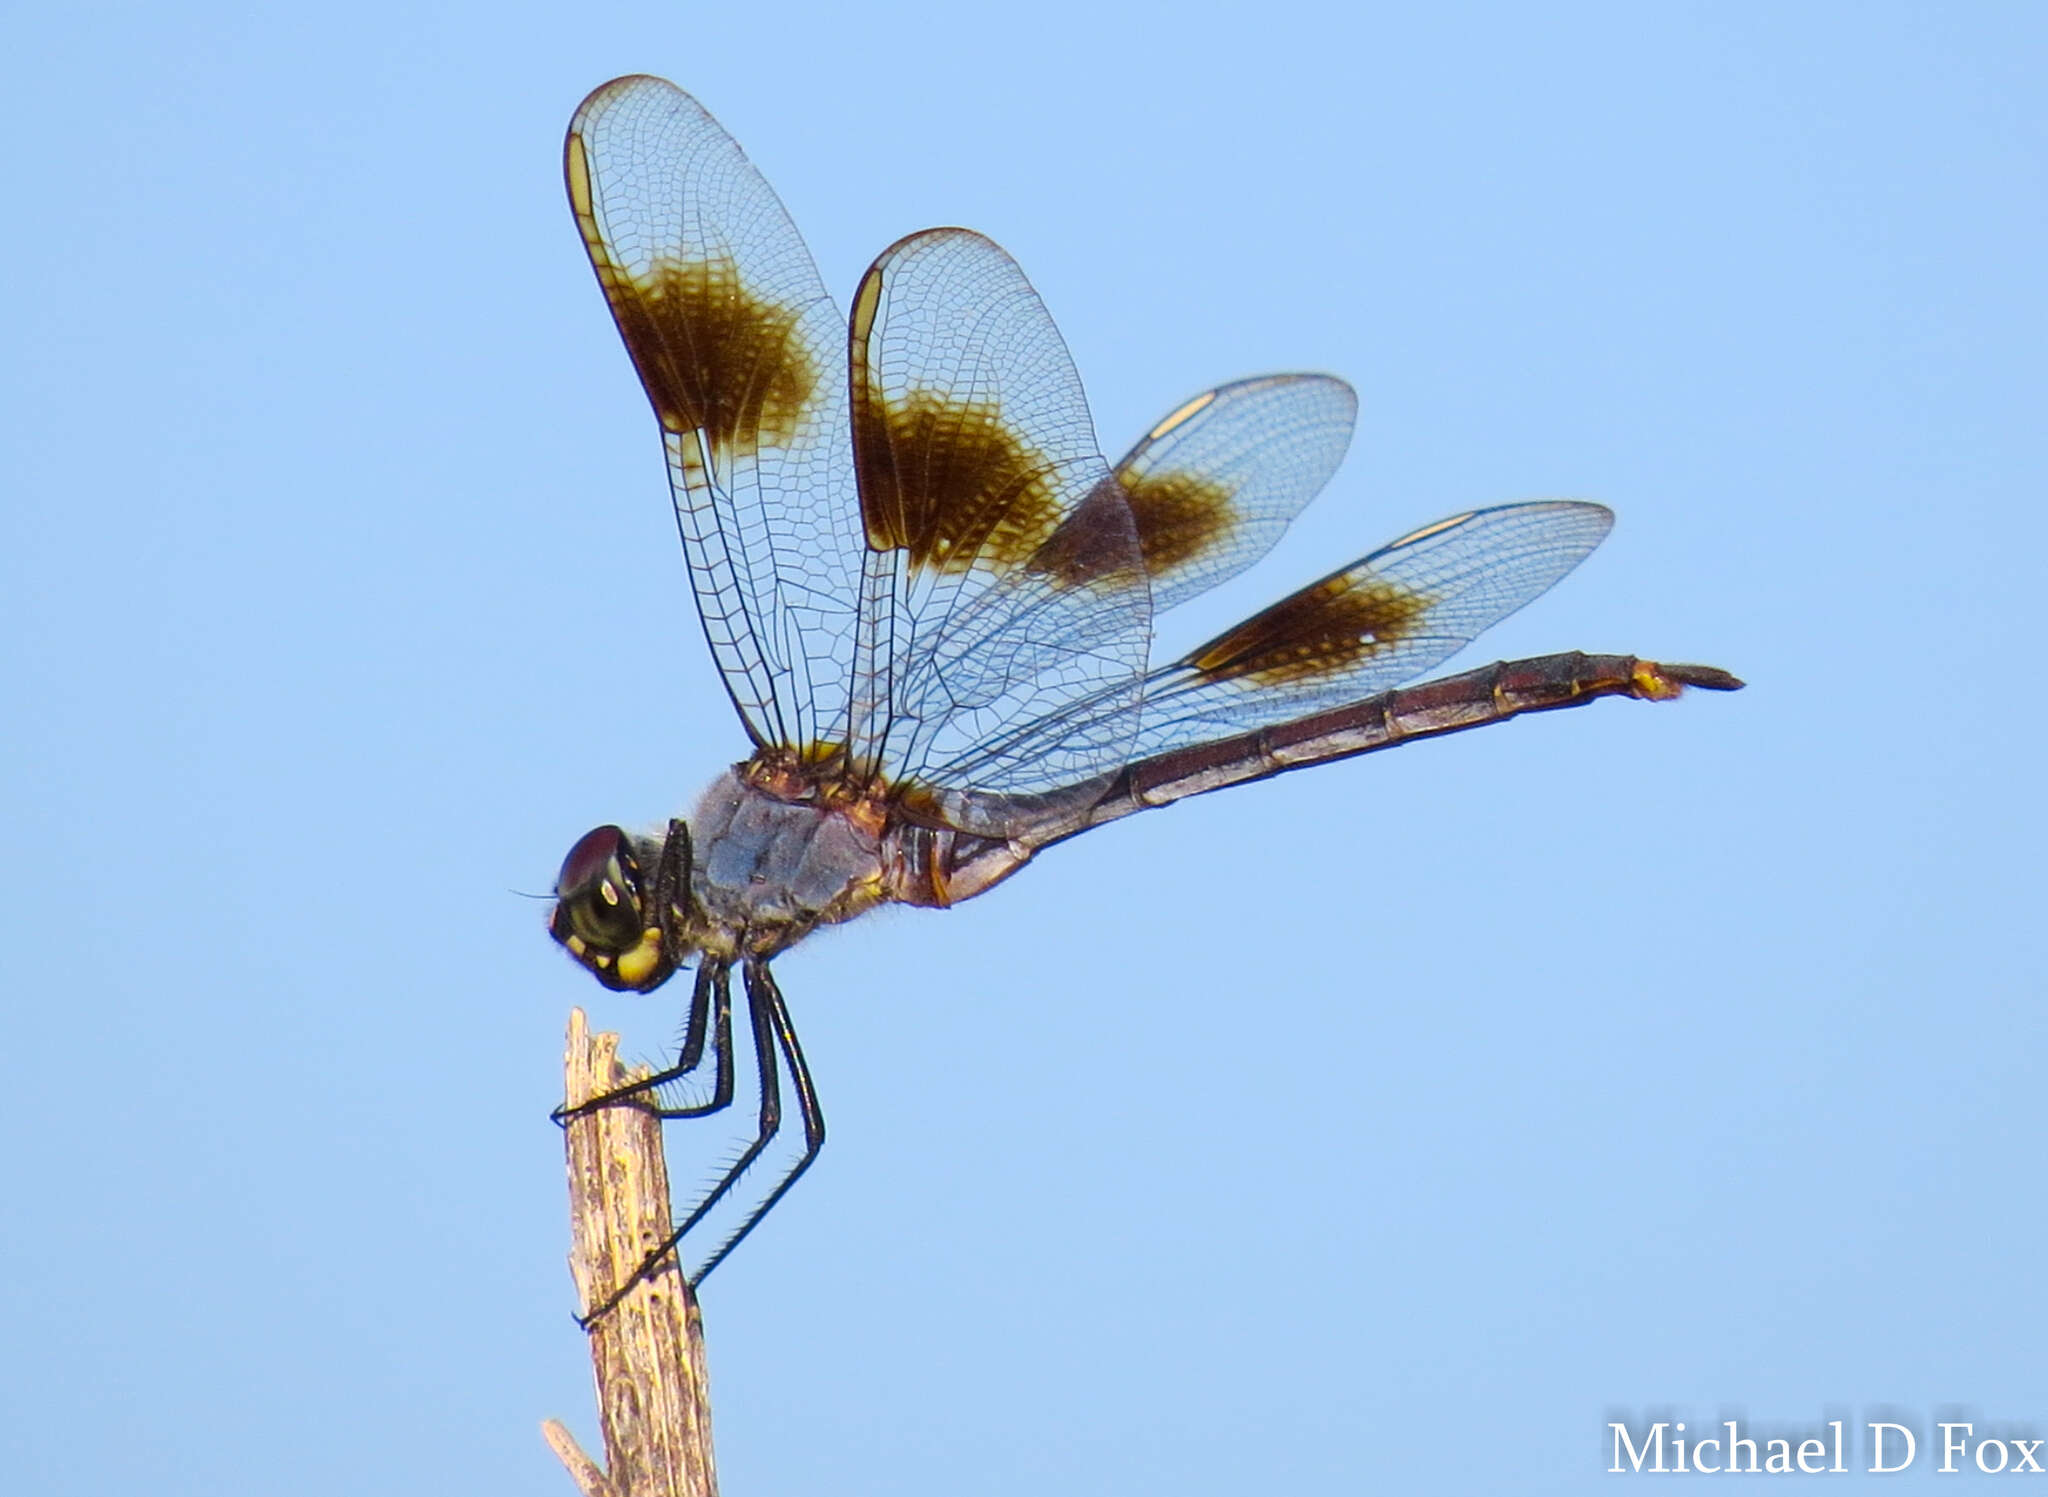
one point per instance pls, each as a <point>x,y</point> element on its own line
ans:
<point>1383,620</point>
<point>1213,486</point>
<point>1004,582</point>
<point>739,348</point>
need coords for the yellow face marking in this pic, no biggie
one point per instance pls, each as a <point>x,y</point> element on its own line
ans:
<point>635,965</point>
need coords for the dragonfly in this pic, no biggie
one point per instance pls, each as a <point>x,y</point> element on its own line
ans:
<point>930,598</point>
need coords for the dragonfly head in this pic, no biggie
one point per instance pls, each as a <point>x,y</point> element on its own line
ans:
<point>621,906</point>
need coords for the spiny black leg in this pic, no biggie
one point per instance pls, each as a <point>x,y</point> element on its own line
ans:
<point>699,1026</point>
<point>712,993</point>
<point>673,901</point>
<point>761,988</point>
<point>721,1043</point>
<point>762,1018</point>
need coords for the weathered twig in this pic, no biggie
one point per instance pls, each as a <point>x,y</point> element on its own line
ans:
<point>648,1353</point>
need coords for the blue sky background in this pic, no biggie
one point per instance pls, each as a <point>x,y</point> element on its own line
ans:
<point>1382,1129</point>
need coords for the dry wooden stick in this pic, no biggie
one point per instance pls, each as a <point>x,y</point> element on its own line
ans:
<point>648,1353</point>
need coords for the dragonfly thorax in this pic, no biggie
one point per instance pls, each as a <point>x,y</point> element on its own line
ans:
<point>769,868</point>
<point>755,870</point>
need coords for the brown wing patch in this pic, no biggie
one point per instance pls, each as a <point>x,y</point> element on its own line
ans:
<point>943,478</point>
<point>1093,544</point>
<point>949,482</point>
<point>1321,630</point>
<point>1179,516</point>
<point>711,356</point>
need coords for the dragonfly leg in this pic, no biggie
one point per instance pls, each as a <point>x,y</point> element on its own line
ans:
<point>674,904</point>
<point>768,1018</point>
<point>710,1014</point>
<point>762,990</point>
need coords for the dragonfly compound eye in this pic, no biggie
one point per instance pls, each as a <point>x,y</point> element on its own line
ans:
<point>598,909</point>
